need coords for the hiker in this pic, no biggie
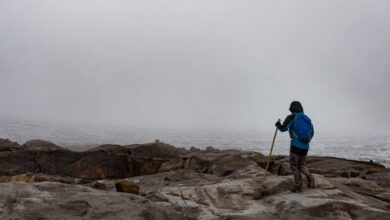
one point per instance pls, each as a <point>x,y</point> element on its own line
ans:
<point>301,132</point>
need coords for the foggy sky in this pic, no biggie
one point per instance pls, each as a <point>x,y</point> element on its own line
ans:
<point>196,64</point>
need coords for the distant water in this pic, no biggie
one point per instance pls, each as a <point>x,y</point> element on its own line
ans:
<point>376,148</point>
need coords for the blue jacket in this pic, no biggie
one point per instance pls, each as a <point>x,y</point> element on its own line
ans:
<point>288,125</point>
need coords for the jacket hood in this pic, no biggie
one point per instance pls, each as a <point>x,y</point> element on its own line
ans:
<point>296,107</point>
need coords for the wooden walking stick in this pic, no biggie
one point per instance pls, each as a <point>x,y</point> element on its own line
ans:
<point>270,154</point>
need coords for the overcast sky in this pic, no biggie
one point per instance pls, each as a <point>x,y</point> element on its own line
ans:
<point>196,64</point>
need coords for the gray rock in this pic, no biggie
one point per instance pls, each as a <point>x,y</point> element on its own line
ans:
<point>49,200</point>
<point>252,198</point>
<point>214,184</point>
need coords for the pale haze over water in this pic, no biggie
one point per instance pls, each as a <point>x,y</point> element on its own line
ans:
<point>184,67</point>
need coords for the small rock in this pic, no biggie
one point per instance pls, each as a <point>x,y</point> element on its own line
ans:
<point>99,185</point>
<point>127,187</point>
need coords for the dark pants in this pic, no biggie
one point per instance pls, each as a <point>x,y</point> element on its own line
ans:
<point>298,166</point>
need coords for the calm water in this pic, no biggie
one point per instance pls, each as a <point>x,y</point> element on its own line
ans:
<point>376,148</point>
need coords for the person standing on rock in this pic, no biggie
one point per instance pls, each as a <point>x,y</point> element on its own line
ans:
<point>301,132</point>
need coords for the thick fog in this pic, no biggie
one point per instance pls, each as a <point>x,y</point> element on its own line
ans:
<point>196,64</point>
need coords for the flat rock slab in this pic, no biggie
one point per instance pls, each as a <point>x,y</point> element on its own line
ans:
<point>251,198</point>
<point>48,200</point>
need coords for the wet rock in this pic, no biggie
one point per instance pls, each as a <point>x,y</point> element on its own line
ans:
<point>127,187</point>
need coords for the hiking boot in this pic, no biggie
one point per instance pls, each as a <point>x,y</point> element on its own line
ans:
<point>297,189</point>
<point>310,183</point>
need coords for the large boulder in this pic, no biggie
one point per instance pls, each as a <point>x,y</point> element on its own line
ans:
<point>154,150</point>
<point>41,145</point>
<point>89,165</point>
<point>113,148</point>
<point>99,165</point>
<point>7,145</point>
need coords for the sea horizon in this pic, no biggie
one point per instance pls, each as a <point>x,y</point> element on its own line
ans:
<point>78,137</point>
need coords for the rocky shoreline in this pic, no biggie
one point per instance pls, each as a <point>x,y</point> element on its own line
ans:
<point>40,180</point>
